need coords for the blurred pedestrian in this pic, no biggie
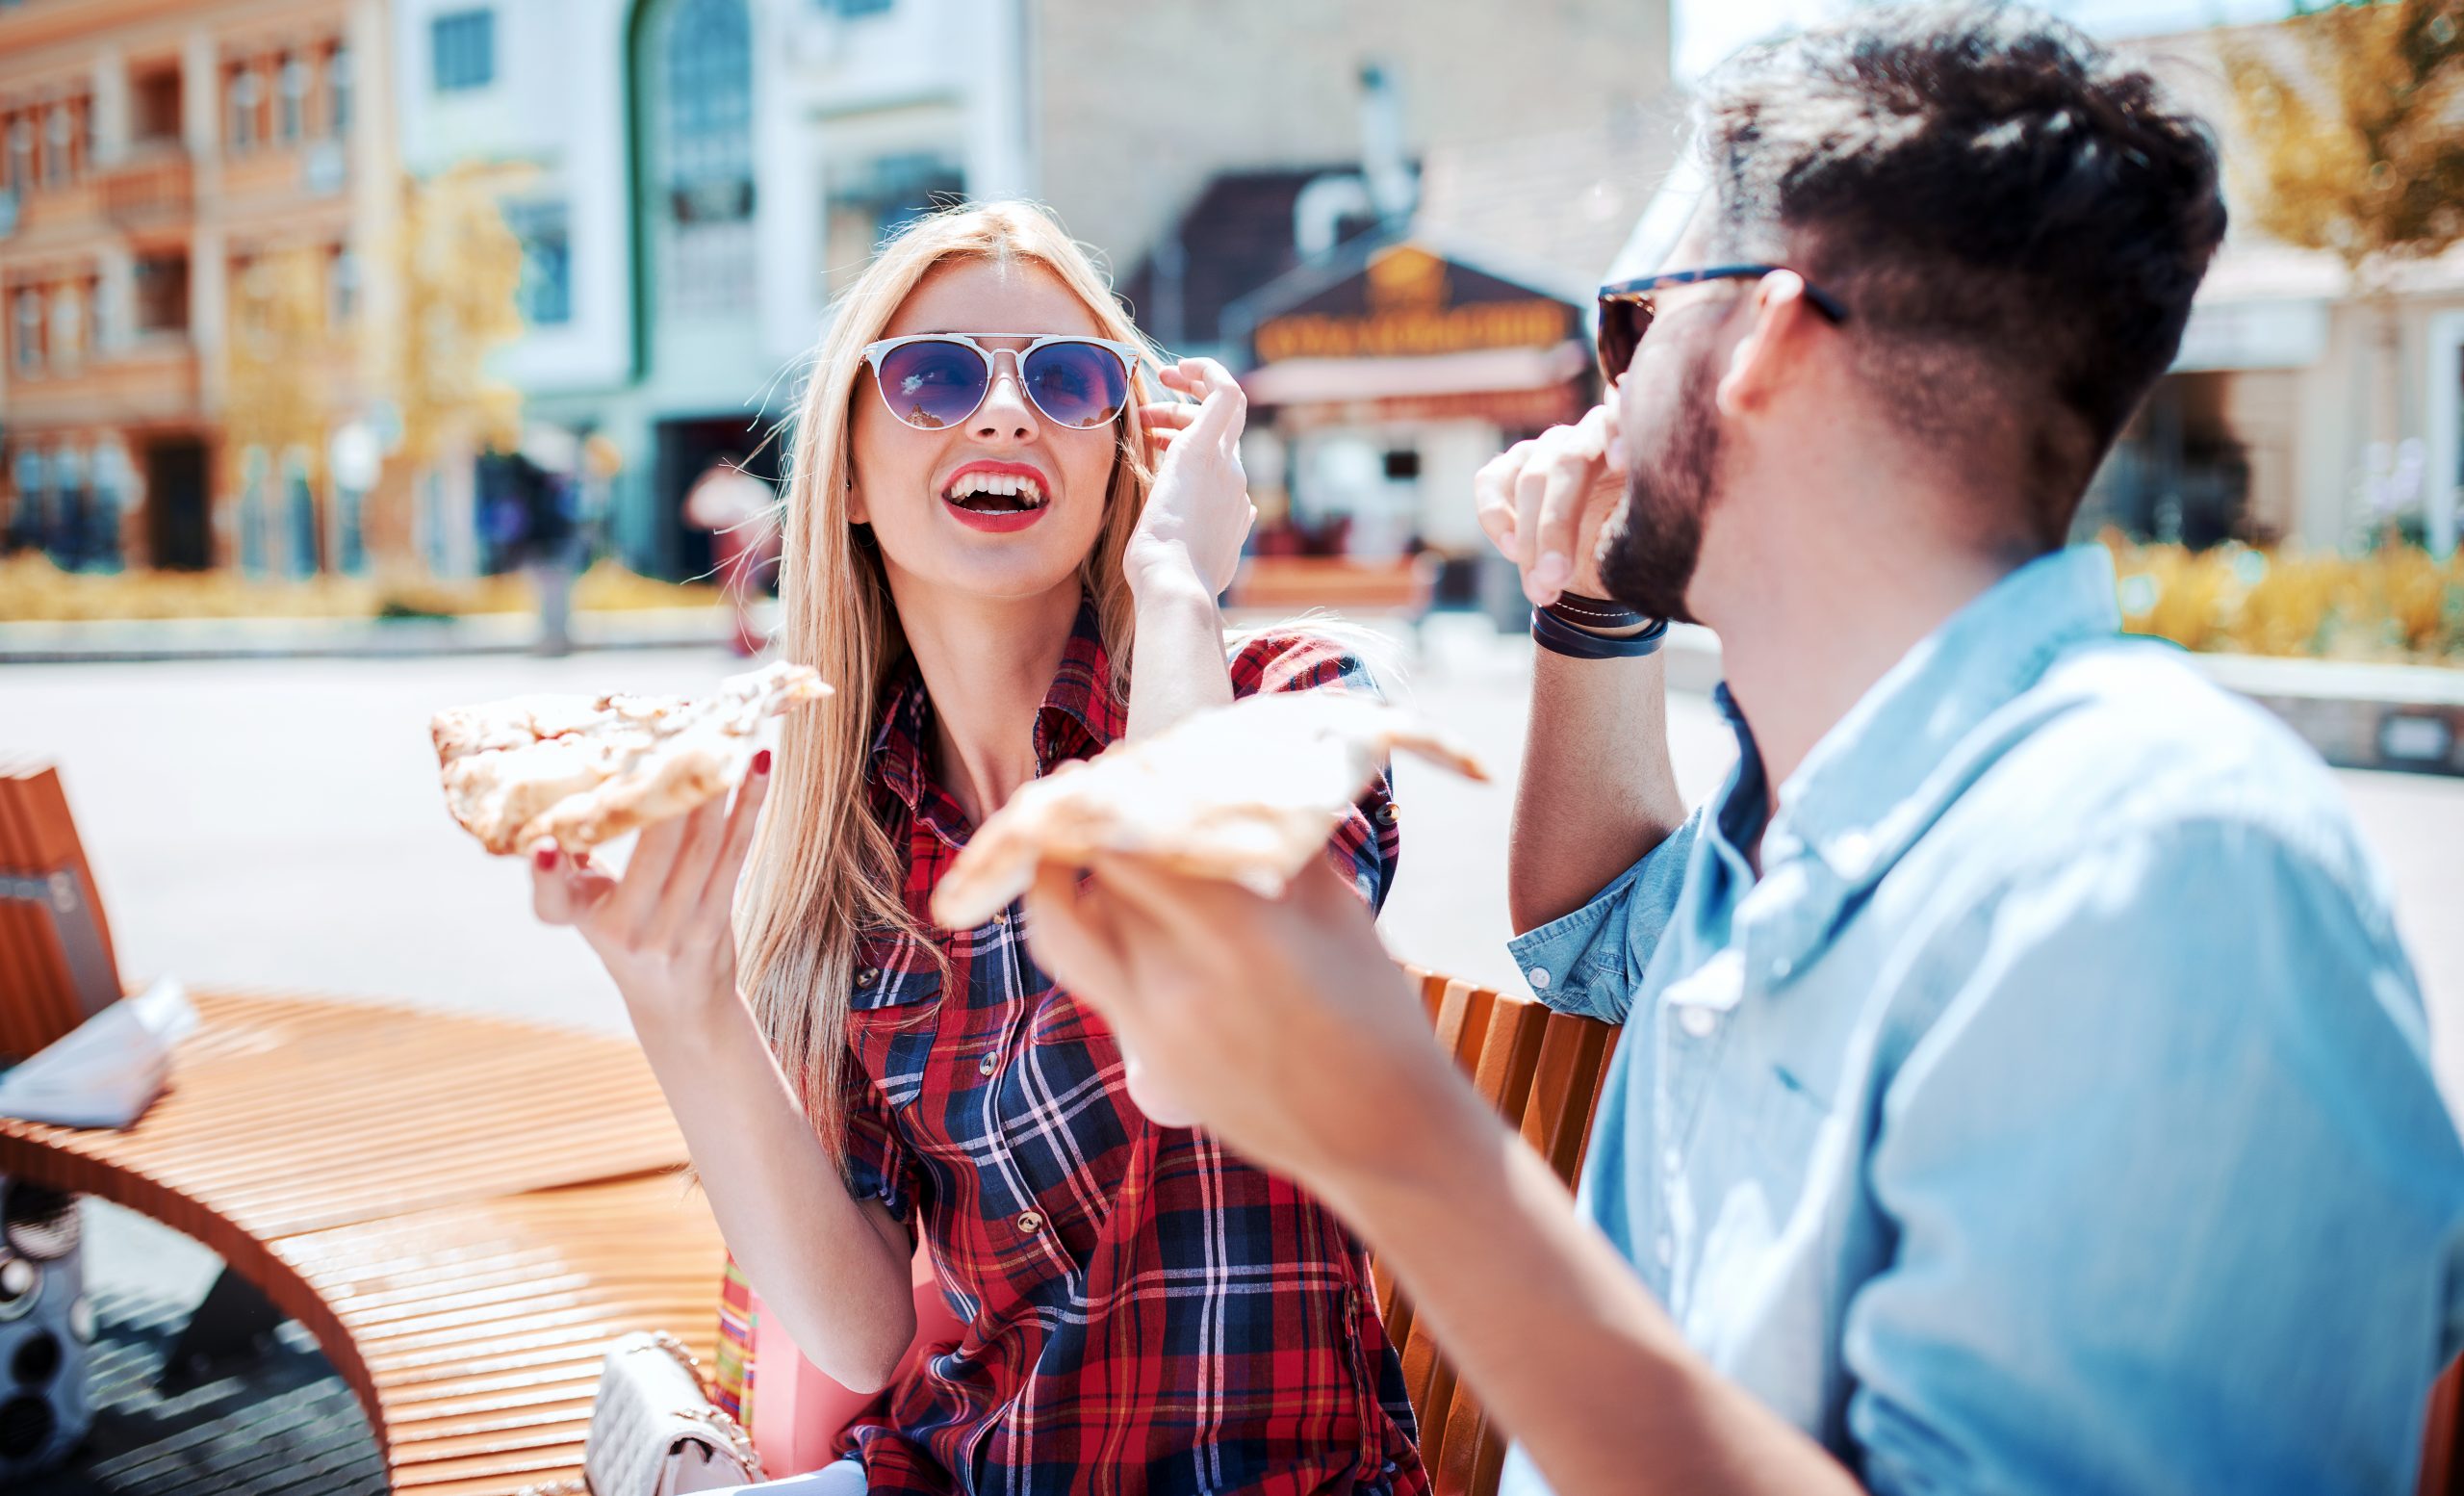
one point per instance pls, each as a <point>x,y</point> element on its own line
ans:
<point>553,542</point>
<point>738,510</point>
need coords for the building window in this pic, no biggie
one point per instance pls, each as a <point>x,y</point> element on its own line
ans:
<point>343,284</point>
<point>156,106</point>
<point>706,141</point>
<point>337,91</point>
<point>67,342</point>
<point>878,198</point>
<point>546,294</point>
<point>163,292</point>
<point>28,335</point>
<point>21,154</point>
<point>246,93</point>
<point>60,129</point>
<point>462,50</point>
<point>290,115</point>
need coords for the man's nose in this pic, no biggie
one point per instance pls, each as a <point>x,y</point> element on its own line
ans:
<point>1006,411</point>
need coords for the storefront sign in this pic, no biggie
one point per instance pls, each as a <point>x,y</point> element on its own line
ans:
<point>1408,302</point>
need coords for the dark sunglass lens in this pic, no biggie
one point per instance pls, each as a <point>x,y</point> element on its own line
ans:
<point>933,383</point>
<point>1622,325</point>
<point>1078,384</point>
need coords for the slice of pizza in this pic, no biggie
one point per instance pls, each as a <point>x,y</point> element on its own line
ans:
<point>1246,793</point>
<point>582,770</point>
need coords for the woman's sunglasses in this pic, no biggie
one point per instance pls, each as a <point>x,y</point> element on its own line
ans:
<point>937,379</point>
<point>1627,308</point>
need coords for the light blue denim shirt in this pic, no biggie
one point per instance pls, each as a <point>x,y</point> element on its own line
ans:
<point>2053,1114</point>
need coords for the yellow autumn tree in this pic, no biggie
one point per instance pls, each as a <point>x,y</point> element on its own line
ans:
<point>2353,118</point>
<point>2358,134</point>
<point>280,359</point>
<point>460,267</point>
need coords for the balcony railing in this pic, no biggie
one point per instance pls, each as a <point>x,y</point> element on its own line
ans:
<point>149,188</point>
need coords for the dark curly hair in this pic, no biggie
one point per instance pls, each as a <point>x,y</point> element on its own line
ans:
<point>2015,218</point>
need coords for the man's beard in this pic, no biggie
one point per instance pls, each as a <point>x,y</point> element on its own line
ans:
<point>1646,559</point>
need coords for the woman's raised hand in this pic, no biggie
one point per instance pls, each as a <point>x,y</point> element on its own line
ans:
<point>665,929</point>
<point>1199,511</point>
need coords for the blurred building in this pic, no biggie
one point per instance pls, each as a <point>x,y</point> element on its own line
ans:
<point>690,180</point>
<point>693,179</point>
<point>154,156</point>
<point>2297,409</point>
<point>1398,321</point>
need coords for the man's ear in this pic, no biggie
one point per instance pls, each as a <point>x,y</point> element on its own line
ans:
<point>1767,355</point>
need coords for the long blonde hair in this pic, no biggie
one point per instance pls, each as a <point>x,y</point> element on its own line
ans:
<point>825,873</point>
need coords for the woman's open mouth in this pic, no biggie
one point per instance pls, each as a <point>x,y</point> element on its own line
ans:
<point>998,497</point>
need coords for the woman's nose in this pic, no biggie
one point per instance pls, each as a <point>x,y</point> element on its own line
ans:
<point>1006,410</point>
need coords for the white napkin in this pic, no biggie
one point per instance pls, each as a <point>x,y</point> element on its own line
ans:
<point>110,1070</point>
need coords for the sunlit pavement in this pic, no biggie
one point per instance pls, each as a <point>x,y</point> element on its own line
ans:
<point>278,823</point>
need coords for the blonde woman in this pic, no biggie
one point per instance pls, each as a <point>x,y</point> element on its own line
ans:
<point>985,555</point>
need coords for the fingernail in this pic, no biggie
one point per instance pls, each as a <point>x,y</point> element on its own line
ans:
<point>546,858</point>
<point>761,762</point>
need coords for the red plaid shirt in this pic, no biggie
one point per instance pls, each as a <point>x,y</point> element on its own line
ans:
<point>1144,1312</point>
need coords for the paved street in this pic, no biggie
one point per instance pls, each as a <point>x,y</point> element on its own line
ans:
<point>278,823</point>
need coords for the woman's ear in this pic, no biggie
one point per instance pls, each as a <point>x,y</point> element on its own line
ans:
<point>857,512</point>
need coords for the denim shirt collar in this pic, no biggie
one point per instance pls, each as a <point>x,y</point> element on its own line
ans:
<point>1890,769</point>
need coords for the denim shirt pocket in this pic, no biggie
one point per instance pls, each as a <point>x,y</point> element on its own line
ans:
<point>896,983</point>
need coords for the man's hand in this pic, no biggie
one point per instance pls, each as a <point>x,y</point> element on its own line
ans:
<point>1542,502</point>
<point>1282,1024</point>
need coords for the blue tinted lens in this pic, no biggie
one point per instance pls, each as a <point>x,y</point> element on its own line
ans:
<point>933,383</point>
<point>1077,384</point>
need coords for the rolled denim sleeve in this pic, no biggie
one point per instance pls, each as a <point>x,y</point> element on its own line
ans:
<point>1591,962</point>
<point>2175,1204</point>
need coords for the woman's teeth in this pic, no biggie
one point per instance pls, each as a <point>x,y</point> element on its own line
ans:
<point>996,491</point>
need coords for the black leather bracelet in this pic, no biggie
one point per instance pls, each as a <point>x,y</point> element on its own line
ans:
<point>1558,636</point>
<point>1595,613</point>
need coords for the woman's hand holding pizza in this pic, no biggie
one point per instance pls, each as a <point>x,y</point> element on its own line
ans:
<point>1199,511</point>
<point>665,929</point>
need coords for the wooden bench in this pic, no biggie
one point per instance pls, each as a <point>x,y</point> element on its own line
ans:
<point>463,1210</point>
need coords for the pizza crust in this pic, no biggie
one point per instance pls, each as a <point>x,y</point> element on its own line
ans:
<point>1246,793</point>
<point>581,771</point>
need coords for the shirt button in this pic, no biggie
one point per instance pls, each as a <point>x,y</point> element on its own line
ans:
<point>1698,1022</point>
<point>1665,1249</point>
<point>1539,977</point>
<point>1000,920</point>
<point>989,1064</point>
<point>1387,813</point>
<point>867,978</point>
<point>1030,1221</point>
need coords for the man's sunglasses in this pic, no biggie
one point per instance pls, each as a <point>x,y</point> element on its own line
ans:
<point>1627,309</point>
<point>936,381</point>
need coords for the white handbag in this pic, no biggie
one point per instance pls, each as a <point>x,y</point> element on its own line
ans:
<point>653,1431</point>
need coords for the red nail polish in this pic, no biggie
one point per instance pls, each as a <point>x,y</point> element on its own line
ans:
<point>546,857</point>
<point>761,762</point>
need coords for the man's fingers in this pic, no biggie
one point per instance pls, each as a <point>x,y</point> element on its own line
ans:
<point>1493,495</point>
<point>742,817</point>
<point>1074,938</point>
